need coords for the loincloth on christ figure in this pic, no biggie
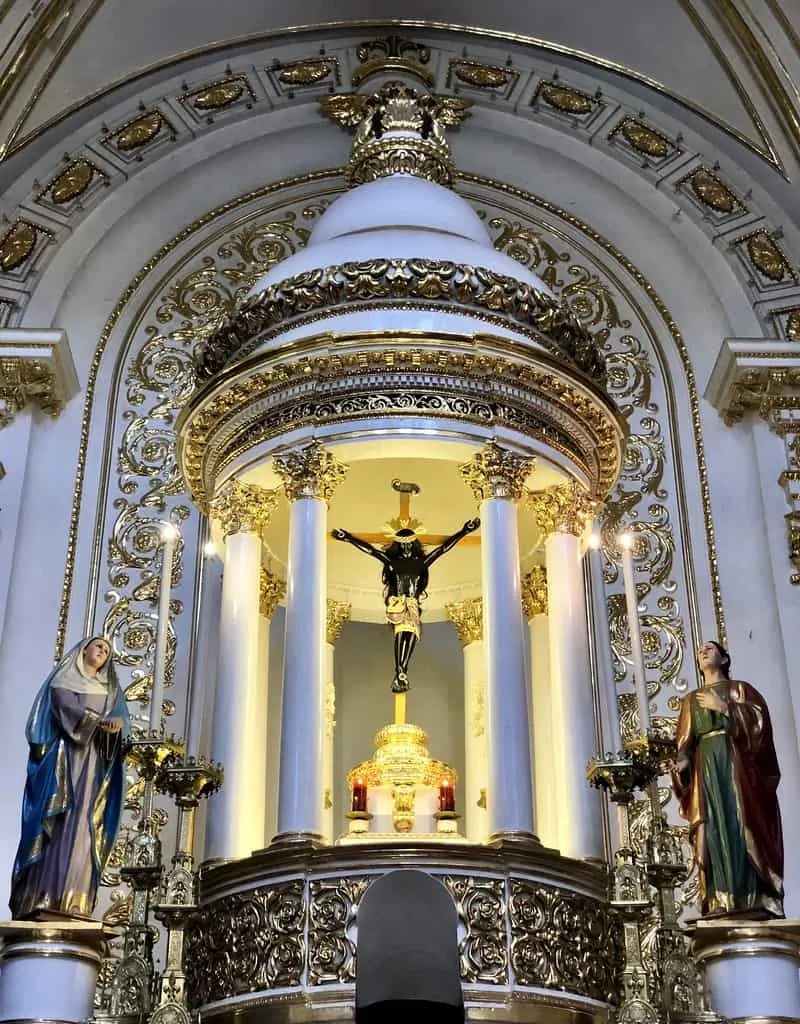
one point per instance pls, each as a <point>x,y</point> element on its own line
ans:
<point>403,614</point>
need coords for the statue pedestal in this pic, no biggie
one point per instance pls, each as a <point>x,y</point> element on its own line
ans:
<point>48,969</point>
<point>750,968</point>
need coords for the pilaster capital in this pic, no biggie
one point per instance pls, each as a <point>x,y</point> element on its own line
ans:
<point>467,617</point>
<point>534,592</point>
<point>309,472</point>
<point>243,508</point>
<point>338,613</point>
<point>271,591</point>
<point>565,508</point>
<point>36,369</point>
<point>497,472</point>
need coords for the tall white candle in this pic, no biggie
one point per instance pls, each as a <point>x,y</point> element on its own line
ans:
<point>606,684</point>
<point>631,601</point>
<point>169,536</point>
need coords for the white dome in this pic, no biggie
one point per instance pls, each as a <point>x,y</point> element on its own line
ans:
<point>399,217</point>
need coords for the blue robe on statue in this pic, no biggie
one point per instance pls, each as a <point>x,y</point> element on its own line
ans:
<point>74,791</point>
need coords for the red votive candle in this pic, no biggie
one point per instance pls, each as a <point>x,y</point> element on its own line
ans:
<point>359,802</point>
<point>447,796</point>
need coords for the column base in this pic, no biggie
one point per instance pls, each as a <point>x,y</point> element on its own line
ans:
<point>514,839</point>
<point>298,839</point>
<point>750,968</point>
<point>48,969</point>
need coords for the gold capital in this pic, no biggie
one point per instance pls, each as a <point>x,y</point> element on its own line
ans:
<point>534,592</point>
<point>271,591</point>
<point>309,472</point>
<point>338,614</point>
<point>497,472</point>
<point>565,508</point>
<point>243,508</point>
<point>467,617</point>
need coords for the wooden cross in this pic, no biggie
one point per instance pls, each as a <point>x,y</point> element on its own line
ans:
<point>404,519</point>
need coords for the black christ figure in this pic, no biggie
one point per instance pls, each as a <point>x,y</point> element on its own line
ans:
<point>405,582</point>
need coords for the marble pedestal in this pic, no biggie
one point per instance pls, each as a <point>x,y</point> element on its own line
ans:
<point>48,970</point>
<point>751,969</point>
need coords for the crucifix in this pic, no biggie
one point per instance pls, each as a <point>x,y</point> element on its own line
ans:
<point>405,577</point>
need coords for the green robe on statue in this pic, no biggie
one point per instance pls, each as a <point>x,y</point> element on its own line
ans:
<point>728,794</point>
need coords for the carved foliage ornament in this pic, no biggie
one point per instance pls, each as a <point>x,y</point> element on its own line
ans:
<point>243,508</point>
<point>72,182</point>
<point>393,52</point>
<point>138,132</point>
<point>482,76</point>
<point>644,139</point>
<point>309,472</point>
<point>18,243</point>
<point>396,279</point>
<point>271,591</point>
<point>338,612</point>
<point>24,381</point>
<point>534,592</point>
<point>467,617</point>
<point>565,508</point>
<point>712,192</point>
<point>567,100</point>
<point>497,472</point>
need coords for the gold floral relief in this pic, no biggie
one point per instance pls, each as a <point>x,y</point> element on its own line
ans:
<point>17,244</point>
<point>138,132</point>
<point>566,99</point>
<point>72,182</point>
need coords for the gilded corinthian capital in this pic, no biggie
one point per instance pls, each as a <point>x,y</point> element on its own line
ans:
<point>271,591</point>
<point>467,617</point>
<point>309,472</point>
<point>243,508</point>
<point>338,614</point>
<point>534,592</point>
<point>497,472</point>
<point>565,508</point>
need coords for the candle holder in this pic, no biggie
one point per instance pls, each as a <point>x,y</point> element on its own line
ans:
<point>447,822</point>
<point>359,822</point>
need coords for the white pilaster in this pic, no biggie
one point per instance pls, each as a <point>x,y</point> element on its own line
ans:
<point>496,476</point>
<point>467,617</point>
<point>235,820</point>
<point>310,475</point>
<point>562,513</point>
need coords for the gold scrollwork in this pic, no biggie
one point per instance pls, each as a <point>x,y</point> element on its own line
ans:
<point>271,591</point>
<point>467,617</point>
<point>332,908</point>
<point>564,941</point>
<point>393,53</point>
<point>339,286</point>
<point>26,382</point>
<point>265,926</point>
<point>338,612</point>
<point>534,592</point>
<point>563,508</point>
<point>309,472</point>
<point>481,910</point>
<point>497,472</point>
<point>243,508</point>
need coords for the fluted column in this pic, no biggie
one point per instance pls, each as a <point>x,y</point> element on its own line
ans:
<point>272,591</point>
<point>467,617</point>
<point>534,604</point>
<point>496,476</point>
<point>310,475</point>
<point>338,614</point>
<point>234,826</point>
<point>562,513</point>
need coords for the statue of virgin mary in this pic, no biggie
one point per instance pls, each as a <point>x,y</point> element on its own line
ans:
<point>75,786</point>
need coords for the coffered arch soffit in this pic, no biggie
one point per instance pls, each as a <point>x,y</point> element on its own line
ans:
<point>157,126</point>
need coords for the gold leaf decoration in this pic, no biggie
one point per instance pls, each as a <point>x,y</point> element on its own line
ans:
<point>305,72</point>
<point>73,181</point>
<point>570,101</point>
<point>218,95</point>
<point>766,257</point>
<point>484,76</point>
<point>712,192</point>
<point>139,132</point>
<point>643,139</point>
<point>17,244</point>
<point>793,326</point>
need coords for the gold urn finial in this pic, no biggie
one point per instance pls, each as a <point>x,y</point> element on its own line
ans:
<point>398,131</point>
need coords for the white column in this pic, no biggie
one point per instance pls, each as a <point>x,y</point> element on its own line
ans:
<point>235,820</point>
<point>271,592</point>
<point>337,614</point>
<point>562,513</point>
<point>496,476</point>
<point>309,476</point>
<point>206,656</point>
<point>534,603</point>
<point>471,797</point>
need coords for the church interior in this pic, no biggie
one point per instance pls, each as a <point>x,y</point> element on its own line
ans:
<point>400,511</point>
